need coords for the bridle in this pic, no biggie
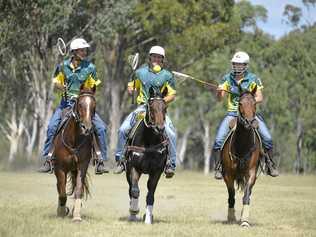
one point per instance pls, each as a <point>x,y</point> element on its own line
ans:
<point>75,115</point>
<point>149,123</point>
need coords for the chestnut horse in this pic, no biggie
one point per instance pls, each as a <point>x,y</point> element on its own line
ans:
<point>73,146</point>
<point>241,156</point>
<point>147,153</point>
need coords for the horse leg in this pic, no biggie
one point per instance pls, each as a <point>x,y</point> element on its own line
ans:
<point>78,197</point>
<point>134,194</point>
<point>231,198</point>
<point>151,186</point>
<point>62,209</point>
<point>246,198</point>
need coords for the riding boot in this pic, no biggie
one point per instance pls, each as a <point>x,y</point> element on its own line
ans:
<point>48,165</point>
<point>100,167</point>
<point>169,169</point>
<point>218,164</point>
<point>120,167</point>
<point>270,163</point>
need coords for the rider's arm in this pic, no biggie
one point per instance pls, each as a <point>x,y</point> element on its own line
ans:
<point>169,98</point>
<point>92,80</point>
<point>220,93</point>
<point>169,92</point>
<point>257,87</point>
<point>221,90</point>
<point>258,96</point>
<point>58,81</point>
<point>222,87</point>
<point>131,86</point>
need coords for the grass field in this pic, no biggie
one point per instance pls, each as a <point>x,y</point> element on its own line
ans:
<point>190,204</point>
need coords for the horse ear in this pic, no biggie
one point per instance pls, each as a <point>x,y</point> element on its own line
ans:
<point>151,92</point>
<point>81,88</point>
<point>164,92</point>
<point>93,89</point>
<point>253,92</point>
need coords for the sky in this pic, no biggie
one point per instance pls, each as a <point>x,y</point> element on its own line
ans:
<point>275,24</point>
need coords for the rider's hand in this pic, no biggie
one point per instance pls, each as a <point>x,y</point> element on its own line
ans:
<point>234,90</point>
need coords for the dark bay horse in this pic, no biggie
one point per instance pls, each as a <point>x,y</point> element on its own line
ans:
<point>147,153</point>
<point>73,145</point>
<point>241,157</point>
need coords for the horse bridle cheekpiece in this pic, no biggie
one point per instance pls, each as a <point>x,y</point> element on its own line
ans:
<point>247,123</point>
<point>75,115</point>
<point>150,123</point>
<point>75,110</point>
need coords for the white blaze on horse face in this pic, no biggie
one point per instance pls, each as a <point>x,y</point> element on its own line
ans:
<point>88,116</point>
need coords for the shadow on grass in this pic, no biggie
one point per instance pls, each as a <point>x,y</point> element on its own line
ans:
<point>140,220</point>
<point>85,217</point>
<point>233,223</point>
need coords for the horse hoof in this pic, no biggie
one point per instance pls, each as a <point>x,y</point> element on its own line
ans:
<point>76,219</point>
<point>245,224</point>
<point>231,220</point>
<point>148,220</point>
<point>133,218</point>
<point>62,211</point>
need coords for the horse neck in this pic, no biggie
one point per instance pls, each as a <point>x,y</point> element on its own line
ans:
<point>71,131</point>
<point>145,136</point>
<point>243,139</point>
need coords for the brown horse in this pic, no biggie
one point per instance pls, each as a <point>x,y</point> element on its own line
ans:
<point>147,153</point>
<point>241,156</point>
<point>73,145</point>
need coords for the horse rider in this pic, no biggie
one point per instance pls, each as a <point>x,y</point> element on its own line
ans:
<point>74,72</point>
<point>241,77</point>
<point>153,75</point>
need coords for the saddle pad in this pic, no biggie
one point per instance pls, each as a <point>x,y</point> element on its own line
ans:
<point>233,130</point>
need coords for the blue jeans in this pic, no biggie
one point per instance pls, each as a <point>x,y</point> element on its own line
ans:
<point>55,120</point>
<point>129,123</point>
<point>223,131</point>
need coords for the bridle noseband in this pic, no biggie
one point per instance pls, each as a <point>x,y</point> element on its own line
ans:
<point>75,115</point>
<point>150,123</point>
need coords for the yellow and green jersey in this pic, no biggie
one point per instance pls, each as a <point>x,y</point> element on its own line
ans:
<point>84,74</point>
<point>247,83</point>
<point>145,78</point>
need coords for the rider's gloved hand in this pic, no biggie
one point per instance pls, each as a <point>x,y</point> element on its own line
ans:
<point>234,90</point>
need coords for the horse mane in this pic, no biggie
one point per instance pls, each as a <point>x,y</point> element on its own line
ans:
<point>246,93</point>
<point>87,91</point>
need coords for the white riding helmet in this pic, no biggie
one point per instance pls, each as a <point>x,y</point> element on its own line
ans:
<point>240,62</point>
<point>157,50</point>
<point>78,44</point>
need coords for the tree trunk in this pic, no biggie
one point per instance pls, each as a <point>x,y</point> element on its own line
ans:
<point>117,82</point>
<point>206,146</point>
<point>14,132</point>
<point>31,138</point>
<point>183,141</point>
<point>299,168</point>
<point>42,91</point>
<point>115,116</point>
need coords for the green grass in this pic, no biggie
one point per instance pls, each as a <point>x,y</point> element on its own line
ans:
<point>190,204</point>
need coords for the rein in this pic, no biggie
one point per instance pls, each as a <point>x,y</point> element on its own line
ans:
<point>75,150</point>
<point>150,124</point>
<point>159,148</point>
<point>244,122</point>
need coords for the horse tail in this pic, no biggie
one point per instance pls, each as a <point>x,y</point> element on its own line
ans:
<point>72,180</point>
<point>241,181</point>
